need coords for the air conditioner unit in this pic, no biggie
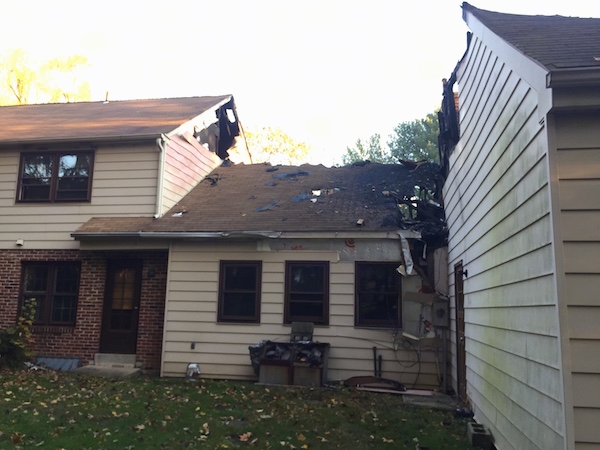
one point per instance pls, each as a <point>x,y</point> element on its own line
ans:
<point>441,313</point>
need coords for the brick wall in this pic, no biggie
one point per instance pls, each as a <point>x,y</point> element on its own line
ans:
<point>83,340</point>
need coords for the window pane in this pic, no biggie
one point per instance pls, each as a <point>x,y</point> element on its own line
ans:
<point>67,279</point>
<point>54,286</point>
<point>75,165</point>
<point>124,289</point>
<point>63,309</point>
<point>240,278</point>
<point>239,304</point>
<point>36,177</point>
<point>306,279</point>
<point>378,293</point>
<point>307,292</point>
<point>35,279</point>
<point>73,176</point>
<point>239,291</point>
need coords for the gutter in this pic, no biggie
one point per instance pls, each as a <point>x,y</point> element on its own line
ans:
<point>160,143</point>
<point>586,76</point>
<point>399,234</point>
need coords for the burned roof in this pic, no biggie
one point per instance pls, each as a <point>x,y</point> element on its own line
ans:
<point>127,119</point>
<point>307,198</point>
<point>557,42</point>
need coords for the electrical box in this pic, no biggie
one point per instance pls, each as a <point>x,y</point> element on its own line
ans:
<point>441,313</point>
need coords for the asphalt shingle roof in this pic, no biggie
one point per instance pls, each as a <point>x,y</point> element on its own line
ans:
<point>99,120</point>
<point>287,198</point>
<point>557,42</point>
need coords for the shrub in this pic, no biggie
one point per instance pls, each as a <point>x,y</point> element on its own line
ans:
<point>15,340</point>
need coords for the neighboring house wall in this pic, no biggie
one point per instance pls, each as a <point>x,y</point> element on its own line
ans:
<point>83,339</point>
<point>124,184</point>
<point>221,349</point>
<point>186,163</point>
<point>497,205</point>
<point>578,164</point>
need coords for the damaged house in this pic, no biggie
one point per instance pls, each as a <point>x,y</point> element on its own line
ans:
<point>253,250</point>
<point>61,165</point>
<point>523,215</point>
<point>146,240</point>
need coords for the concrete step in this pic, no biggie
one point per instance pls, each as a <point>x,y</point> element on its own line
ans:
<point>114,360</point>
<point>108,371</point>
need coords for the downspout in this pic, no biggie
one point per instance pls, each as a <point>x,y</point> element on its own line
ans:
<point>161,173</point>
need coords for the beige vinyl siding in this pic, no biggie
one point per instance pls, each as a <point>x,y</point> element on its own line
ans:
<point>578,159</point>
<point>498,211</point>
<point>185,165</point>
<point>124,184</point>
<point>221,349</point>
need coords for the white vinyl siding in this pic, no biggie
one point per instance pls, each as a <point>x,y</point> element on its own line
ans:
<point>498,211</point>
<point>186,164</point>
<point>221,349</point>
<point>578,159</point>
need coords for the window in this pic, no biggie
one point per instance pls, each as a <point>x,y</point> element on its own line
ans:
<point>377,288</point>
<point>55,176</point>
<point>307,292</point>
<point>55,287</point>
<point>239,291</point>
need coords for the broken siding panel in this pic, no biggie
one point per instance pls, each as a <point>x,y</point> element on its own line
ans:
<point>185,165</point>
<point>498,173</point>
<point>124,184</point>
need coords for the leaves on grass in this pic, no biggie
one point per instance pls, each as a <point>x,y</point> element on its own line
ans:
<point>60,410</point>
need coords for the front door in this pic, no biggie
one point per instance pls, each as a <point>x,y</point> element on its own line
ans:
<point>461,363</point>
<point>121,306</point>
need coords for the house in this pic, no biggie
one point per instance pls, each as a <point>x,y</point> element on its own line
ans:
<point>61,165</point>
<point>523,171</point>
<point>255,248</point>
<point>141,232</point>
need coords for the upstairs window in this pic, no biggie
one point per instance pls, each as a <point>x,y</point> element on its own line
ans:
<point>55,176</point>
<point>307,292</point>
<point>377,288</point>
<point>55,288</point>
<point>239,291</point>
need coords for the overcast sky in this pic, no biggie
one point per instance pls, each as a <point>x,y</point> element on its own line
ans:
<point>326,72</point>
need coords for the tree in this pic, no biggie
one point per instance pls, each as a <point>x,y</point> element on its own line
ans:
<point>368,150</point>
<point>56,80</point>
<point>17,77</point>
<point>276,147</point>
<point>416,140</point>
<point>60,79</point>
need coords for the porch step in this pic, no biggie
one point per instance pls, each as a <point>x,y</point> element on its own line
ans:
<point>114,360</point>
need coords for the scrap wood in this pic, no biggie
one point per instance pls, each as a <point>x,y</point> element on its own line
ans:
<point>371,380</point>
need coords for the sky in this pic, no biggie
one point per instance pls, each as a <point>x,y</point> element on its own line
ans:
<point>325,72</point>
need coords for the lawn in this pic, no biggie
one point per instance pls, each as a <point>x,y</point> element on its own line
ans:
<point>67,411</point>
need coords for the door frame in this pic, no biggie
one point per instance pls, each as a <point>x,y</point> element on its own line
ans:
<point>461,354</point>
<point>120,341</point>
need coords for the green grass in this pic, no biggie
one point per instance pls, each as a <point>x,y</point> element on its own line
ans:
<point>62,410</point>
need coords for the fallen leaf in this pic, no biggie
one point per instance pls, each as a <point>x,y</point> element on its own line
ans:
<point>301,437</point>
<point>245,436</point>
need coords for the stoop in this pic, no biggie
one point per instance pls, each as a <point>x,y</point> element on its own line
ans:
<point>111,365</point>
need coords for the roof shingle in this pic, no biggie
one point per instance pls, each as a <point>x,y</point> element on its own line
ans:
<point>557,42</point>
<point>100,120</point>
<point>258,198</point>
